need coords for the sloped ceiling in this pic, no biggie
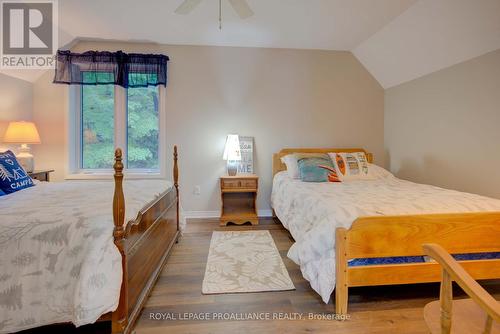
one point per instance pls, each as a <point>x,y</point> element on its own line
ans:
<point>431,35</point>
<point>396,40</point>
<point>302,24</point>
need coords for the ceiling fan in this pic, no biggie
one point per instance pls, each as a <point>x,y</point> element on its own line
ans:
<point>241,7</point>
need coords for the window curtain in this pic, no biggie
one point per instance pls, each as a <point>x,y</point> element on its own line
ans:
<point>118,68</point>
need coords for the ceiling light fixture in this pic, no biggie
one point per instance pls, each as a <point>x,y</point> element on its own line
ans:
<point>241,7</point>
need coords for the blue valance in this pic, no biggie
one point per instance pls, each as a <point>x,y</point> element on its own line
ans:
<point>117,68</point>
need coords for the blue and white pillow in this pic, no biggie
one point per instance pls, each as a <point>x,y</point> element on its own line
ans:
<point>315,168</point>
<point>1,192</point>
<point>12,176</point>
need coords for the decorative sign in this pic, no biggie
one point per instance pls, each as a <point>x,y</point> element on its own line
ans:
<point>245,166</point>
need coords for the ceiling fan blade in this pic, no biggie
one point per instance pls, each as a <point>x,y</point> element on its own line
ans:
<point>242,8</point>
<point>187,6</point>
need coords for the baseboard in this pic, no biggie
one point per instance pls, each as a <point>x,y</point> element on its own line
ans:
<point>216,214</point>
<point>201,214</point>
<point>265,213</point>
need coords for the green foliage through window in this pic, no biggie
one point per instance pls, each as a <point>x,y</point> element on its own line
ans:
<point>142,127</point>
<point>98,126</point>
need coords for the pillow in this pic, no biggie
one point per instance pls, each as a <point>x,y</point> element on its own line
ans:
<point>351,166</point>
<point>317,169</point>
<point>378,172</point>
<point>1,192</point>
<point>12,175</point>
<point>290,160</point>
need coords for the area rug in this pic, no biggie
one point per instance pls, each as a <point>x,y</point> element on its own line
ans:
<point>244,261</point>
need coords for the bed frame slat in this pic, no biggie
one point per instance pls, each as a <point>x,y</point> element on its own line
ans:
<point>385,236</point>
<point>410,273</point>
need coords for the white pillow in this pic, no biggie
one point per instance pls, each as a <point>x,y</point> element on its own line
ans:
<point>351,166</point>
<point>292,167</point>
<point>379,172</point>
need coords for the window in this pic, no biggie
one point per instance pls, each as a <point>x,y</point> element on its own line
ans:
<point>142,128</point>
<point>107,117</point>
<point>98,126</point>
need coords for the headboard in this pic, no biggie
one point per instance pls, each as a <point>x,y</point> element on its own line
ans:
<point>278,166</point>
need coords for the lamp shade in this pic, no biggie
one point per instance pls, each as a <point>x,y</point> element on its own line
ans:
<point>232,149</point>
<point>22,133</point>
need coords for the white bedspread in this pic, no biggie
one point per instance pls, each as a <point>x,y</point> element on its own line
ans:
<point>312,211</point>
<point>58,262</point>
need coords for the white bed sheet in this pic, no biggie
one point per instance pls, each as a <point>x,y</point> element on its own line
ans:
<point>312,212</point>
<point>58,261</point>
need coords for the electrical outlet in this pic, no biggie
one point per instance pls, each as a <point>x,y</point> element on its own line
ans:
<point>197,190</point>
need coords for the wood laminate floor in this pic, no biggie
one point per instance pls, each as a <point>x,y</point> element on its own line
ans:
<point>392,309</point>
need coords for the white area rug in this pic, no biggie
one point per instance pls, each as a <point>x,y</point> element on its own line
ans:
<point>244,261</point>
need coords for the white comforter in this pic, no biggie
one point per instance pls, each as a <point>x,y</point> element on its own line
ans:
<point>312,211</point>
<point>58,262</point>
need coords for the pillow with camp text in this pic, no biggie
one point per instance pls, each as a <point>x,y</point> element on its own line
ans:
<point>12,176</point>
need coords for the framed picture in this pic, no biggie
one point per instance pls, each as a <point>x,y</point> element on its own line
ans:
<point>245,166</point>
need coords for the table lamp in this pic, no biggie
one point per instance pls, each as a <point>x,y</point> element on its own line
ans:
<point>23,133</point>
<point>232,154</point>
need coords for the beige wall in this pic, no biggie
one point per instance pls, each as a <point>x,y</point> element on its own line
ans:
<point>283,98</point>
<point>444,128</point>
<point>16,103</point>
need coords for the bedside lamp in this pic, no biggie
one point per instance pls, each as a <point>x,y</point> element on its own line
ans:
<point>232,154</point>
<point>23,133</point>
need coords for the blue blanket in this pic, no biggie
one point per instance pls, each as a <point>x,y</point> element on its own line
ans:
<point>418,259</point>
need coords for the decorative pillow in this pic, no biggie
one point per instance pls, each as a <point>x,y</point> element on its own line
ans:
<point>290,160</point>
<point>332,173</point>
<point>12,175</point>
<point>1,192</point>
<point>351,166</point>
<point>316,169</point>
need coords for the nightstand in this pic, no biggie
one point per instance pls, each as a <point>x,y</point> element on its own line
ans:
<point>41,175</point>
<point>239,196</point>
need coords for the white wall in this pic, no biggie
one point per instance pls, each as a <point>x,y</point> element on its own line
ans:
<point>444,128</point>
<point>16,103</point>
<point>283,98</point>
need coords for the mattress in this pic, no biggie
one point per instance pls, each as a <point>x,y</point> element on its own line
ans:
<point>312,212</point>
<point>57,256</point>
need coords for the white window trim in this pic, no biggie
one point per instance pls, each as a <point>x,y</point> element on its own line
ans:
<point>74,172</point>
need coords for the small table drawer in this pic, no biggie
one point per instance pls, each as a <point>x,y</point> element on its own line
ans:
<point>231,183</point>
<point>239,183</point>
<point>249,184</point>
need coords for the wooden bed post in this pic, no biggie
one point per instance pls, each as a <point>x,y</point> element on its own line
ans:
<point>176,182</point>
<point>341,287</point>
<point>120,316</point>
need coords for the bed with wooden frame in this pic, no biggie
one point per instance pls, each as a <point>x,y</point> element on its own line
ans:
<point>144,244</point>
<point>394,236</point>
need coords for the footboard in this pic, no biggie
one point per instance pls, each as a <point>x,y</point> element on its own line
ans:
<point>144,244</point>
<point>391,236</point>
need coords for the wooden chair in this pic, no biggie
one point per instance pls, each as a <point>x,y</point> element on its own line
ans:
<point>479,314</point>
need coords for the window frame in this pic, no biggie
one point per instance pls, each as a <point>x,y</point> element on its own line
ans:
<point>75,170</point>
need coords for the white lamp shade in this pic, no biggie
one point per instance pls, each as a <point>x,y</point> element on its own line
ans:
<point>21,133</point>
<point>232,148</point>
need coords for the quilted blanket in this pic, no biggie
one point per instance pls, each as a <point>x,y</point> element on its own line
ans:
<point>58,262</point>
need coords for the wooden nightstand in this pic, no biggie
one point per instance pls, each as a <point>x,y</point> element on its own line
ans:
<point>239,195</point>
<point>41,175</point>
